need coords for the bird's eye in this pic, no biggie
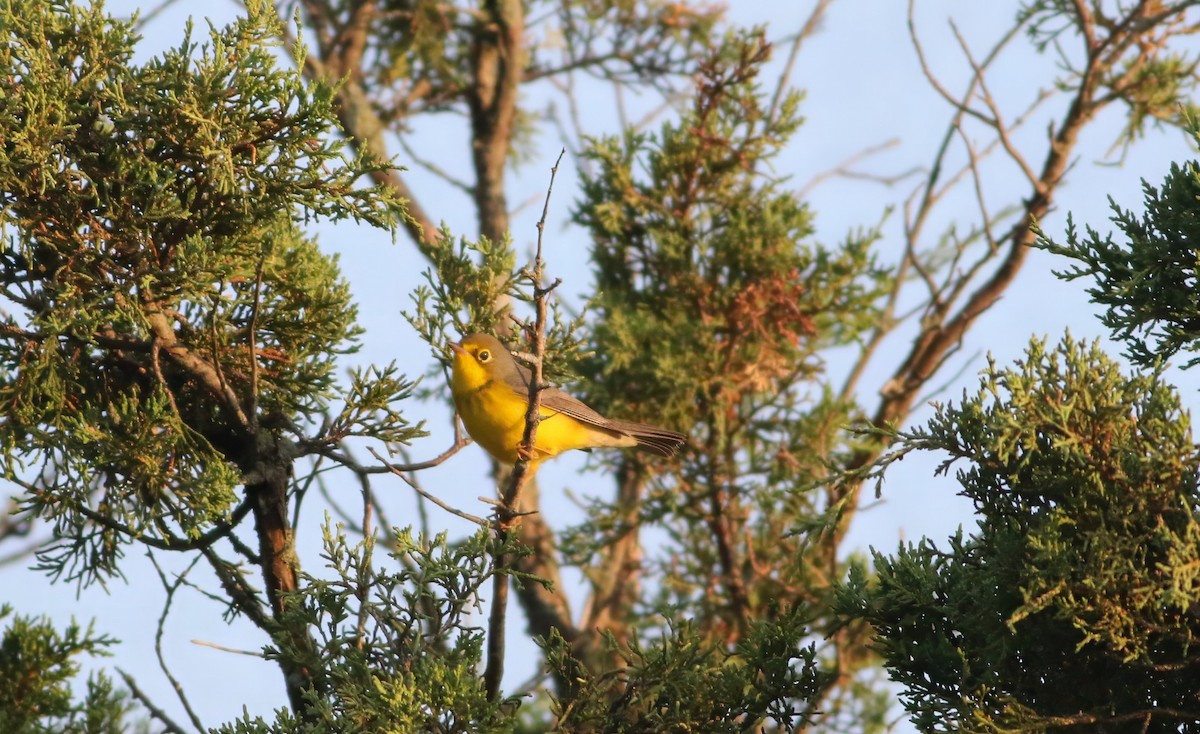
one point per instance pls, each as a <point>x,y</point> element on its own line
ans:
<point>485,355</point>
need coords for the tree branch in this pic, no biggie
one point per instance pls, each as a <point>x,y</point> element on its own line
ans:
<point>509,510</point>
<point>943,333</point>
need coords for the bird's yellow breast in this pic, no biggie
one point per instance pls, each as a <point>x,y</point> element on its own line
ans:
<point>494,415</point>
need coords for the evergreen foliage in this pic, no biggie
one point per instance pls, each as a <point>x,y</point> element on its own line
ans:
<point>402,647</point>
<point>37,667</point>
<point>167,305</point>
<point>1072,605</point>
<point>1147,282</point>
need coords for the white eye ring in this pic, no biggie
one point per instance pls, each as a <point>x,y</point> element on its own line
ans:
<point>485,355</point>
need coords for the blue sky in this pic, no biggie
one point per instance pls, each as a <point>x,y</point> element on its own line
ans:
<point>863,87</point>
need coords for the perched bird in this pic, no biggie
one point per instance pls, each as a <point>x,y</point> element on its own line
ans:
<point>491,392</point>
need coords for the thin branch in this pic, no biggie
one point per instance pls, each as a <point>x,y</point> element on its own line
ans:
<point>842,170</point>
<point>148,17</point>
<point>166,339</point>
<point>929,350</point>
<point>963,104</point>
<point>1084,11</point>
<point>171,587</point>
<point>400,472</point>
<point>155,712</point>
<point>808,29</point>
<point>25,551</point>
<point>1002,130</point>
<point>322,449</point>
<point>234,650</point>
<point>240,596</point>
<point>527,463</point>
<point>434,168</point>
<point>887,321</point>
<point>930,194</point>
<point>303,487</point>
<point>364,128</point>
<point>508,513</point>
<point>171,542</point>
<point>215,350</point>
<point>567,88</point>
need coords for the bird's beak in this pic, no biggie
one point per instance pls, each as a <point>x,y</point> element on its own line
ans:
<point>457,348</point>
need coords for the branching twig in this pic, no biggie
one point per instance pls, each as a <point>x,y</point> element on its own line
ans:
<point>942,332</point>
<point>323,449</point>
<point>811,23</point>
<point>145,18</point>
<point>171,587</point>
<point>434,168</point>
<point>998,124</point>
<point>844,170</point>
<point>400,472</point>
<point>170,726</point>
<point>508,512</point>
<point>170,542</point>
<point>240,596</point>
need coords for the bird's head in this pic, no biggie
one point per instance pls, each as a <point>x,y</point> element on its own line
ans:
<point>480,358</point>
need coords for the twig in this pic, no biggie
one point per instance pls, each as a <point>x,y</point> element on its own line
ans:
<point>508,513</point>
<point>533,416</point>
<point>925,198</point>
<point>25,550</point>
<point>435,169</point>
<point>929,350</point>
<point>1002,130</point>
<point>808,29</point>
<point>323,449</point>
<point>843,170</point>
<point>239,594</point>
<point>144,19</point>
<point>155,711</point>
<point>452,510</point>
<point>567,88</point>
<point>171,588</point>
<point>303,488</point>
<point>170,542</point>
<point>234,650</point>
<point>363,582</point>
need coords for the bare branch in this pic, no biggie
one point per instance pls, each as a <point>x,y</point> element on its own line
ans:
<point>234,650</point>
<point>940,336</point>
<point>434,168</point>
<point>363,126</point>
<point>148,17</point>
<point>963,104</point>
<point>323,449</point>
<point>252,339</point>
<point>400,472</point>
<point>1002,130</point>
<point>171,587</point>
<point>508,512</point>
<point>785,77</point>
<point>170,727</point>
<point>844,169</point>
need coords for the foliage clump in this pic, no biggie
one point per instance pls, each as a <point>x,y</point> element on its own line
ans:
<point>1072,602</point>
<point>37,666</point>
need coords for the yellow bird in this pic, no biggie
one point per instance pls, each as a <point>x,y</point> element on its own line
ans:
<point>491,392</point>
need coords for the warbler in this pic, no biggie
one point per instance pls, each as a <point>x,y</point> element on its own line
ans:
<point>491,392</point>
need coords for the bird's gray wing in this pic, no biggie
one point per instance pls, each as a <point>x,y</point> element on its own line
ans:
<point>553,398</point>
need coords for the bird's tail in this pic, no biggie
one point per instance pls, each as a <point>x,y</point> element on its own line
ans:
<point>659,440</point>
